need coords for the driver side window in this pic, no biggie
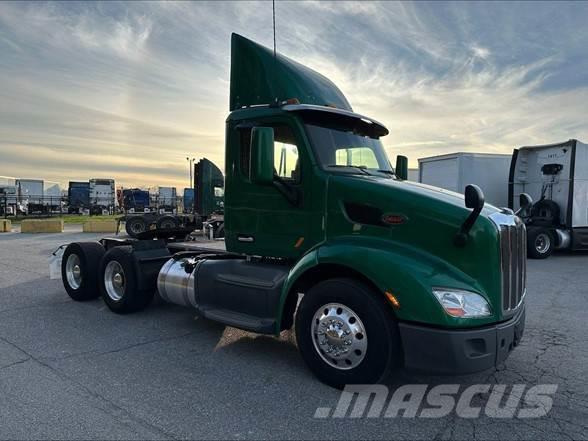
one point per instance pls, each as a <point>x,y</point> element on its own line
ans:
<point>286,153</point>
<point>286,156</point>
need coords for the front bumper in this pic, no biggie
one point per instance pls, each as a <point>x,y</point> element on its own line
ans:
<point>460,351</point>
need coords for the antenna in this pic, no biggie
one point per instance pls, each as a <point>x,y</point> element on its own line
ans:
<point>274,22</point>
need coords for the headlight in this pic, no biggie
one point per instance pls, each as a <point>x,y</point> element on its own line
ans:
<point>463,304</point>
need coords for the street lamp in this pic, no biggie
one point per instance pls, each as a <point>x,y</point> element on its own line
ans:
<point>190,165</point>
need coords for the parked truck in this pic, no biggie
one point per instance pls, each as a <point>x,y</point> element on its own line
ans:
<point>136,200</point>
<point>78,196</point>
<point>102,196</point>
<point>206,211</point>
<point>453,171</point>
<point>556,177</point>
<point>375,271</point>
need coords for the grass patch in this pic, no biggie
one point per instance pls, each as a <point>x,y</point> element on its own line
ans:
<point>69,218</point>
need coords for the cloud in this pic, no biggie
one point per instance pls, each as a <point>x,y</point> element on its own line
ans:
<point>130,89</point>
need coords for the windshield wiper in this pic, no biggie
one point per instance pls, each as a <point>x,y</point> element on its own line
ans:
<point>357,167</point>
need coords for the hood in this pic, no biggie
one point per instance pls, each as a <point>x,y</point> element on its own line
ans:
<point>259,77</point>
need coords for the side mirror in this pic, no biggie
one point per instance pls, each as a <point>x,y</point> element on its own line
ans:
<point>525,202</point>
<point>401,169</point>
<point>474,199</point>
<point>262,156</point>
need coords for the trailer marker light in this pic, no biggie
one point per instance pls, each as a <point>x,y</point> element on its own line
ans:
<point>392,298</point>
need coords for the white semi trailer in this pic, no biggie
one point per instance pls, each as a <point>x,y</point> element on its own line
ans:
<point>556,178</point>
<point>456,170</point>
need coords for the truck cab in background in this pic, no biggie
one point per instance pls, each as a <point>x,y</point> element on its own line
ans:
<point>375,271</point>
<point>556,177</point>
<point>162,216</point>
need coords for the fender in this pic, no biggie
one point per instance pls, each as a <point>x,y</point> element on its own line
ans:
<point>407,272</point>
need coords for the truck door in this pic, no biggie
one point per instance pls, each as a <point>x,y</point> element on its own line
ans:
<point>268,220</point>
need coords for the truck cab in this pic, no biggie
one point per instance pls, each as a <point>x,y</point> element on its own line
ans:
<point>321,232</point>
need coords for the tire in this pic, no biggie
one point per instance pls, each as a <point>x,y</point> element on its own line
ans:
<point>81,283</point>
<point>135,226</point>
<point>540,243</point>
<point>167,223</point>
<point>374,349</point>
<point>118,282</point>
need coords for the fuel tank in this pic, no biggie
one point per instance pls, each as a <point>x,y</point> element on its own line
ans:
<point>175,282</point>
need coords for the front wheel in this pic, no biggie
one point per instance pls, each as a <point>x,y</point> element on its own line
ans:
<point>347,334</point>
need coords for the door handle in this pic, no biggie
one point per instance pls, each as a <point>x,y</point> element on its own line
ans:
<point>243,238</point>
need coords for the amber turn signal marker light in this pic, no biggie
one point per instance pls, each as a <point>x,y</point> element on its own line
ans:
<point>392,298</point>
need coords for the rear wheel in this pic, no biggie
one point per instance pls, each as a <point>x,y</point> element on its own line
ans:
<point>118,282</point>
<point>135,226</point>
<point>167,223</point>
<point>540,243</point>
<point>79,270</point>
<point>346,333</point>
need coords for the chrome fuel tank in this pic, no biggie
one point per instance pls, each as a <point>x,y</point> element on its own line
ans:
<point>175,282</point>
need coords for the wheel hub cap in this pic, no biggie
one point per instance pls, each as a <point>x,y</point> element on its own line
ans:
<point>114,280</point>
<point>542,243</point>
<point>117,280</point>
<point>339,336</point>
<point>73,271</point>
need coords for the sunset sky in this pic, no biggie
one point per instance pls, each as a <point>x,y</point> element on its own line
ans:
<point>128,90</point>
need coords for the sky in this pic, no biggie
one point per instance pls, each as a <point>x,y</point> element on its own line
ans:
<point>129,90</point>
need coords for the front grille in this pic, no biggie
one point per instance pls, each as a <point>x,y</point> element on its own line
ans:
<point>513,250</point>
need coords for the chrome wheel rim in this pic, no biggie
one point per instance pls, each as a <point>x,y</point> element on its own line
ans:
<point>542,243</point>
<point>339,336</point>
<point>114,280</point>
<point>73,271</point>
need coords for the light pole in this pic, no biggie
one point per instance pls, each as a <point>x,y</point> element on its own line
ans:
<point>190,165</point>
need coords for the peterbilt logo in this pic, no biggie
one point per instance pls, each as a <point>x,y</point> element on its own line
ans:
<point>393,218</point>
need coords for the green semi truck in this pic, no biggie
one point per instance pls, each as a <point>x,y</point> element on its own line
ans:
<point>322,234</point>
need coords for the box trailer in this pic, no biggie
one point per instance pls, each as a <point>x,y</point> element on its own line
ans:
<point>413,175</point>
<point>52,197</point>
<point>31,189</point>
<point>556,178</point>
<point>456,170</point>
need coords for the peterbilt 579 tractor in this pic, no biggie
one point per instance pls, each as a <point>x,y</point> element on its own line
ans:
<point>322,234</point>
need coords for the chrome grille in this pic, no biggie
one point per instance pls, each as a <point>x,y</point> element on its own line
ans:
<point>513,257</point>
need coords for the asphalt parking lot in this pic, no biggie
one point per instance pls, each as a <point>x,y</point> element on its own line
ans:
<point>76,371</point>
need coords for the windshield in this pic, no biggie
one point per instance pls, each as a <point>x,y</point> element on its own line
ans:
<point>346,149</point>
